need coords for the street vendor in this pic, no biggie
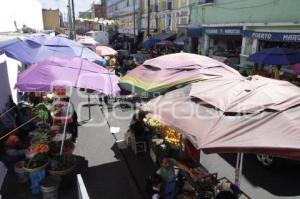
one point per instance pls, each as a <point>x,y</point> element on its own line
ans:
<point>167,173</point>
<point>137,126</point>
<point>72,125</point>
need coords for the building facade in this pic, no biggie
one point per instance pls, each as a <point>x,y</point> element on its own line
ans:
<point>127,14</point>
<point>51,19</point>
<point>237,29</point>
<point>98,10</point>
<point>166,15</point>
<point>85,15</point>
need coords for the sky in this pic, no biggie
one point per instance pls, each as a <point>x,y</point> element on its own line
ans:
<point>80,5</point>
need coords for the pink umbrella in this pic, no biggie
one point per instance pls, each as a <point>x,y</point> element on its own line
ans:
<point>296,68</point>
<point>105,51</point>
<point>188,61</point>
<point>268,132</point>
<point>247,95</point>
<point>89,42</point>
<point>67,71</point>
<point>162,73</point>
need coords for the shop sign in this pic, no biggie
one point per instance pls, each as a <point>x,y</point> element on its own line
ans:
<point>224,31</point>
<point>273,36</point>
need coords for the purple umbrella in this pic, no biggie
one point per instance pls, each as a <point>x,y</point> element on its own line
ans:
<point>276,56</point>
<point>67,71</point>
<point>34,49</point>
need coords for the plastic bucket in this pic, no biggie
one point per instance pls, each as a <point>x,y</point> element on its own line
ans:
<point>50,186</point>
<point>20,173</point>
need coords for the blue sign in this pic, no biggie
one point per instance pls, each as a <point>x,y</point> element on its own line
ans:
<point>273,36</point>
<point>224,31</point>
<point>194,32</point>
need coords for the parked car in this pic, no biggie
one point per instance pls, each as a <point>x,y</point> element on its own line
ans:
<point>269,161</point>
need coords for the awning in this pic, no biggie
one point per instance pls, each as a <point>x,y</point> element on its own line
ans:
<point>223,30</point>
<point>194,32</point>
<point>164,36</point>
<point>273,36</point>
<point>180,40</point>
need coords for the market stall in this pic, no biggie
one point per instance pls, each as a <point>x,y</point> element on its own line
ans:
<point>51,140</point>
<point>166,141</point>
<point>38,148</point>
<point>225,116</point>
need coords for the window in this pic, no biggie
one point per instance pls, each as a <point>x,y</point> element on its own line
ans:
<point>169,5</point>
<point>205,1</point>
<point>155,8</point>
<point>168,20</point>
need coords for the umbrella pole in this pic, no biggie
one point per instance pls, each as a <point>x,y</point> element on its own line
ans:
<point>65,128</point>
<point>89,104</point>
<point>239,168</point>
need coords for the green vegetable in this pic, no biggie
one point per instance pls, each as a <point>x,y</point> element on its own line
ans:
<point>40,138</point>
<point>41,111</point>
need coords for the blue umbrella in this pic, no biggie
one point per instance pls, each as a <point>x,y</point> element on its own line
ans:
<point>276,56</point>
<point>35,49</point>
<point>150,43</point>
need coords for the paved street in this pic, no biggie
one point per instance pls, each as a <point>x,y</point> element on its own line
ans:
<point>258,182</point>
<point>107,175</point>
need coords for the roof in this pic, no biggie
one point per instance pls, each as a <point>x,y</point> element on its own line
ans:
<point>180,40</point>
<point>164,36</point>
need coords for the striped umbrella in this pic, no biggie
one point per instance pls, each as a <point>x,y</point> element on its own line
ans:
<point>162,74</point>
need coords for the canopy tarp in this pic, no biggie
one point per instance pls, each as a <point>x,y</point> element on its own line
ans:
<point>164,36</point>
<point>247,95</point>
<point>105,51</point>
<point>34,49</point>
<point>267,132</point>
<point>167,72</point>
<point>70,72</point>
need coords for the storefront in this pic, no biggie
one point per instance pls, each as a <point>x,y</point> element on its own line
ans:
<point>194,39</point>
<point>224,43</point>
<point>275,39</point>
<point>258,39</point>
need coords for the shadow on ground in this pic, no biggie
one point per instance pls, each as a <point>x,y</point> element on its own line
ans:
<point>282,180</point>
<point>141,167</point>
<point>11,189</point>
<point>111,180</point>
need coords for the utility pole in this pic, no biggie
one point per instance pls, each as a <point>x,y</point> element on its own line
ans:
<point>70,20</point>
<point>148,19</point>
<point>134,25</point>
<point>73,18</point>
